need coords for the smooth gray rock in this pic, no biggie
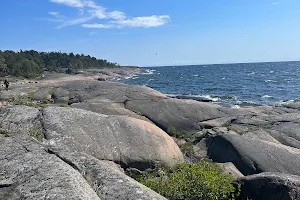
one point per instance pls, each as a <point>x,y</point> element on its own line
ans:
<point>38,175</point>
<point>262,134</point>
<point>230,169</point>
<point>108,108</point>
<point>219,122</point>
<point>183,115</point>
<point>273,186</point>
<point>29,170</point>
<point>43,94</point>
<point>61,95</point>
<point>107,179</point>
<point>252,155</point>
<point>128,141</point>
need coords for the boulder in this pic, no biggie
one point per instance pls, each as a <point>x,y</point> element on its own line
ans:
<point>275,186</point>
<point>252,156</point>
<point>230,169</point>
<point>61,95</point>
<point>106,178</point>
<point>31,171</point>
<point>183,115</point>
<point>108,108</point>
<point>35,174</point>
<point>128,141</point>
<point>42,94</point>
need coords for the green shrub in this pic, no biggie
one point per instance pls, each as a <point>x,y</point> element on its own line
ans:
<point>198,181</point>
<point>64,105</point>
<point>187,149</point>
<point>173,132</point>
<point>37,132</point>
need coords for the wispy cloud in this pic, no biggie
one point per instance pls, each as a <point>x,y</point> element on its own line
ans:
<point>72,3</point>
<point>89,10</point>
<point>54,13</point>
<point>145,22</point>
<point>275,3</point>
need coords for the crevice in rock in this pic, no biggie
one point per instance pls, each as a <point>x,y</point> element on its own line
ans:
<point>6,185</point>
<point>42,122</point>
<point>217,144</point>
<point>64,160</point>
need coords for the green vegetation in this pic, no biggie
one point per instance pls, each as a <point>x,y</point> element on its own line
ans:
<point>37,132</point>
<point>64,105</point>
<point>187,149</point>
<point>198,181</point>
<point>5,132</point>
<point>173,132</point>
<point>31,64</point>
<point>22,100</point>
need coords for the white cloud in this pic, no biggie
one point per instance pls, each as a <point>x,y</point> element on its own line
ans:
<point>54,13</point>
<point>97,26</point>
<point>89,10</point>
<point>117,15</point>
<point>72,3</point>
<point>274,3</point>
<point>146,22</point>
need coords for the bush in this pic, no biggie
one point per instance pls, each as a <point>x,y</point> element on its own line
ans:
<point>173,132</point>
<point>187,149</point>
<point>37,132</point>
<point>198,181</point>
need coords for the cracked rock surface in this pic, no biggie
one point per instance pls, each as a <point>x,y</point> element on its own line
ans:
<point>109,124</point>
<point>65,164</point>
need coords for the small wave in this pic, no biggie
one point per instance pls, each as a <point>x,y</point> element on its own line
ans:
<point>236,106</point>
<point>195,75</point>
<point>149,72</point>
<point>135,77</point>
<point>267,97</point>
<point>270,81</point>
<point>213,98</point>
<point>195,97</point>
<point>128,77</point>
<point>271,72</point>
<point>282,103</point>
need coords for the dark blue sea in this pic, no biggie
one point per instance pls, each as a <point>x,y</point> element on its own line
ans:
<point>232,84</point>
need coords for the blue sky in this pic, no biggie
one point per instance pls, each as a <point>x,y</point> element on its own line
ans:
<point>156,32</point>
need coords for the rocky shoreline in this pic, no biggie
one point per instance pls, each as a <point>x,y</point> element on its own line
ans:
<point>71,137</point>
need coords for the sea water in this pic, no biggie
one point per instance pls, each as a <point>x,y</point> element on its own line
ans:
<point>233,84</point>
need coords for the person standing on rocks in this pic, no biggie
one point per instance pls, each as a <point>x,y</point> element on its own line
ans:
<point>6,83</point>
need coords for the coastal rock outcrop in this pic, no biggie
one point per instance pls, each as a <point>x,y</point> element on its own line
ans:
<point>125,140</point>
<point>252,156</point>
<point>43,157</point>
<point>275,186</point>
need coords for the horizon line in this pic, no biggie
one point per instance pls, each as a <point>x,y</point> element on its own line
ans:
<point>233,63</point>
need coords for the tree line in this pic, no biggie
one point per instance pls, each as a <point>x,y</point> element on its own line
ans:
<point>31,64</point>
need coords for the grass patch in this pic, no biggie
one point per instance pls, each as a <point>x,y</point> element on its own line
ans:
<point>64,105</point>
<point>203,180</point>
<point>25,101</point>
<point>187,149</point>
<point>5,132</point>
<point>173,132</point>
<point>37,132</point>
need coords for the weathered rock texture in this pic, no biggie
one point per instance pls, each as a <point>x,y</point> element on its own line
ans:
<point>74,160</point>
<point>115,123</point>
<point>273,186</point>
